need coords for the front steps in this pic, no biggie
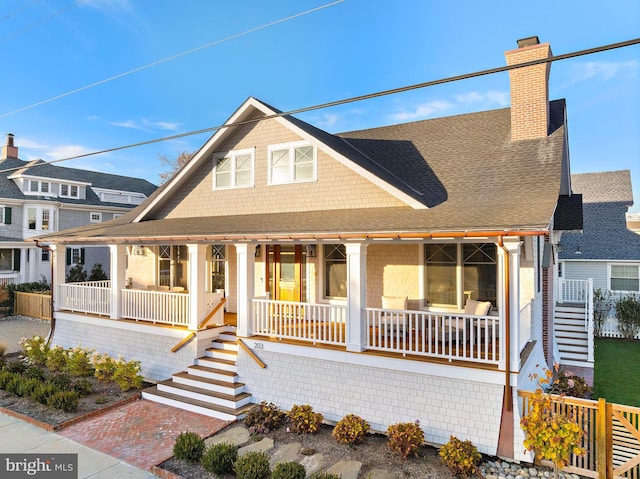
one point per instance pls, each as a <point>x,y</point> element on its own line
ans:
<point>571,335</point>
<point>208,387</point>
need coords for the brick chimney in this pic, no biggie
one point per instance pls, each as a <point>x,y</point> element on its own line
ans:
<point>9,151</point>
<point>529,90</point>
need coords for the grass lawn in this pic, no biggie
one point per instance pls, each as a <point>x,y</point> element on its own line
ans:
<point>617,371</point>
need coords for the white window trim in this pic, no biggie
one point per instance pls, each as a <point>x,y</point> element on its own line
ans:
<point>69,195</point>
<point>38,190</point>
<point>609,265</point>
<point>98,218</point>
<point>53,220</point>
<point>79,256</point>
<point>291,147</point>
<point>233,154</point>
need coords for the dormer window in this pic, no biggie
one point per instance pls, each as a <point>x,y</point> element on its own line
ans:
<point>291,163</point>
<point>36,186</point>
<point>68,191</point>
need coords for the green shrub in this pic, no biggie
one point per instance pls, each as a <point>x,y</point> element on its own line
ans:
<point>5,376</point>
<point>289,470</point>
<point>27,386</point>
<point>56,358</point>
<point>67,401</point>
<point>351,429</point>
<point>77,274</point>
<point>83,386</point>
<point>569,384</point>
<point>405,438</point>
<point>97,273</point>
<point>78,362</point>
<point>461,457</point>
<point>127,374</point>
<point>219,458</point>
<point>17,367</point>
<point>33,287</point>
<point>324,475</point>
<point>13,384</point>
<point>263,418</point>
<point>189,446</point>
<point>303,420</point>
<point>628,314</point>
<point>104,366</point>
<point>35,350</point>
<point>34,372</point>
<point>602,303</point>
<point>60,380</point>
<point>43,392</point>
<point>253,465</point>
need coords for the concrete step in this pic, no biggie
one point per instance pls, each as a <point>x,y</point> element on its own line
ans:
<point>200,407</point>
<point>225,400</point>
<point>204,368</point>
<point>224,387</point>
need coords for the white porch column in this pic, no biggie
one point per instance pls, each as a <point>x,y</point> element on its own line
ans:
<point>33,259</point>
<point>197,283</point>
<point>356,296</point>
<point>246,263</point>
<point>513,247</point>
<point>118,254</point>
<point>59,259</point>
<point>23,265</point>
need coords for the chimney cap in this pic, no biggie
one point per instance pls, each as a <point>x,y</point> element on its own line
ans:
<point>528,41</point>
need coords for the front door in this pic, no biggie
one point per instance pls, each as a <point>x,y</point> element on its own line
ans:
<point>286,272</point>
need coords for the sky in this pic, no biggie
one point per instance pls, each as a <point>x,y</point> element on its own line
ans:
<point>91,75</point>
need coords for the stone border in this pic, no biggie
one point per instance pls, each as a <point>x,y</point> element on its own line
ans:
<point>164,474</point>
<point>70,422</point>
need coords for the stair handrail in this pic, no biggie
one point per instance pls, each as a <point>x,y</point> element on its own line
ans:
<point>251,354</point>
<point>589,323</point>
<point>201,326</point>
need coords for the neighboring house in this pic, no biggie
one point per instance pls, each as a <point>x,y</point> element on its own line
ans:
<point>633,222</point>
<point>37,198</point>
<point>607,251</point>
<point>397,273</point>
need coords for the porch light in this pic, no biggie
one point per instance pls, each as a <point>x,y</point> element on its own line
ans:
<point>258,251</point>
<point>310,250</point>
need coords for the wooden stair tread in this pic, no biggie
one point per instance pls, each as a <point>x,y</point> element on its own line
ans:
<point>228,362</point>
<point>203,379</point>
<point>206,392</point>
<point>196,402</point>
<point>209,369</point>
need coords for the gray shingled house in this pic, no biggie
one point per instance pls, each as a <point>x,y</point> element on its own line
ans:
<point>396,273</point>
<point>607,252</point>
<point>37,198</point>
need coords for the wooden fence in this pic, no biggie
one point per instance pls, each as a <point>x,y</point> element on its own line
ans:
<point>33,305</point>
<point>612,436</point>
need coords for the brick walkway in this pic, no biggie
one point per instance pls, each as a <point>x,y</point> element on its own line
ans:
<point>141,433</point>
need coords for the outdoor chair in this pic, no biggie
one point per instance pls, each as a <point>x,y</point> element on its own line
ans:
<point>392,321</point>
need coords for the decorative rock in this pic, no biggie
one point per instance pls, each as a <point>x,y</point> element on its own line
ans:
<point>313,463</point>
<point>505,470</point>
<point>285,453</point>
<point>261,446</point>
<point>346,469</point>
<point>235,435</point>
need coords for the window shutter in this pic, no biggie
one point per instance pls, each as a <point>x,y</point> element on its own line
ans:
<point>81,255</point>
<point>7,215</point>
<point>16,260</point>
<point>68,256</point>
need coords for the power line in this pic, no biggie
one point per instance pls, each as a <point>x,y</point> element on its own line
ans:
<point>345,101</point>
<point>167,59</point>
<point>14,13</point>
<point>39,22</point>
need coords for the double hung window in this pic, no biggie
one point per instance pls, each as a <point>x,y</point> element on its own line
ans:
<point>233,169</point>
<point>291,163</point>
<point>624,277</point>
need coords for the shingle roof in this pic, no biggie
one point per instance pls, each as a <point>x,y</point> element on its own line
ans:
<point>465,168</point>
<point>606,197</point>
<point>8,188</point>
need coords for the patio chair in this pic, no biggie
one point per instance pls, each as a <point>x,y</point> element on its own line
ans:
<point>454,328</point>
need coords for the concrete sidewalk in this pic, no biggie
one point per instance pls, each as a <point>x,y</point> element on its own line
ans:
<point>17,436</point>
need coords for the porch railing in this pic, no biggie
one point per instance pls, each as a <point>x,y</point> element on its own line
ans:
<point>580,291</point>
<point>85,297</point>
<point>156,306</point>
<point>315,323</point>
<point>437,335</point>
<point>6,279</point>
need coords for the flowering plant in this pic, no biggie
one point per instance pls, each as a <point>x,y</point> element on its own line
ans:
<point>568,383</point>
<point>35,350</point>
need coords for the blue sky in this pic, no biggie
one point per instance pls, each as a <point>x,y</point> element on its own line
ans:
<point>350,48</point>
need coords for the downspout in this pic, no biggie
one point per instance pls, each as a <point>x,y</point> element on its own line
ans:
<point>508,402</point>
<point>53,316</point>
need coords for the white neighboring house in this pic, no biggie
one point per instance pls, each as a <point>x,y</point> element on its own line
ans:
<point>37,198</point>
<point>607,251</point>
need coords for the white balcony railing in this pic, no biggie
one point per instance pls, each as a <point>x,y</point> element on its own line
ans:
<point>572,291</point>
<point>156,306</point>
<point>90,297</point>
<point>8,278</point>
<point>437,335</point>
<point>315,323</point>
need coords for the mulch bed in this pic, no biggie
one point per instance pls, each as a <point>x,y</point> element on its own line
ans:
<point>103,397</point>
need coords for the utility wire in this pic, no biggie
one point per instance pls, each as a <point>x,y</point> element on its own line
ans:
<point>39,22</point>
<point>345,101</point>
<point>12,14</point>
<point>172,57</point>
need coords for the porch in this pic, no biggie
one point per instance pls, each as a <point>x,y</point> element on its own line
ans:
<point>406,333</point>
